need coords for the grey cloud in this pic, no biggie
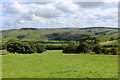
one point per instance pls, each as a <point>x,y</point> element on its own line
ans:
<point>90,4</point>
<point>12,8</point>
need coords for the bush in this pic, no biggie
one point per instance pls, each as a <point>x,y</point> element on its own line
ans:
<point>40,48</point>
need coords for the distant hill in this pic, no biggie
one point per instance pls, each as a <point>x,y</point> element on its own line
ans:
<point>56,34</point>
<point>70,28</point>
<point>98,28</point>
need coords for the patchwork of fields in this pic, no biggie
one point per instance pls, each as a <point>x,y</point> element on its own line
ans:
<point>54,64</point>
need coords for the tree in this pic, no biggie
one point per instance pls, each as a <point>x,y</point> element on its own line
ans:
<point>97,49</point>
<point>71,48</point>
<point>13,46</point>
<point>111,39</point>
<point>40,48</point>
<point>32,48</point>
<point>24,49</point>
<point>4,46</point>
<point>83,47</point>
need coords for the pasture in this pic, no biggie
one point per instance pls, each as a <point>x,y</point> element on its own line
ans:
<point>55,64</point>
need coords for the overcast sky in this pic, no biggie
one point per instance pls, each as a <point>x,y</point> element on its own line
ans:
<point>58,14</point>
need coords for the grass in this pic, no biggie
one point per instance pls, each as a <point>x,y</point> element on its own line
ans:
<point>109,42</point>
<point>54,64</point>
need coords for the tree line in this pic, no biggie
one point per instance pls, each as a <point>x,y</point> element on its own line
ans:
<point>85,47</point>
<point>15,46</point>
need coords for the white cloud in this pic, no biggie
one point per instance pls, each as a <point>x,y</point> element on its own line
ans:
<point>13,8</point>
<point>59,14</point>
<point>67,6</point>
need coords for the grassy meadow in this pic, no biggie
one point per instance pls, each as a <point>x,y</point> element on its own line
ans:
<point>55,64</point>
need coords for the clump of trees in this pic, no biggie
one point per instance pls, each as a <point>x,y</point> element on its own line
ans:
<point>14,46</point>
<point>73,47</point>
<point>85,47</point>
<point>89,45</point>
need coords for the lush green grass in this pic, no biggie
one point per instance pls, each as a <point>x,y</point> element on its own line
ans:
<point>54,64</point>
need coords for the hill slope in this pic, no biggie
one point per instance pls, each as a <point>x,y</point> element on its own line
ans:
<point>33,34</point>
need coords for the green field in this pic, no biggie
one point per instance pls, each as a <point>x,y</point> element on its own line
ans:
<point>54,64</point>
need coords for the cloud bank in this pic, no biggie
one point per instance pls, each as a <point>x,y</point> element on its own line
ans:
<point>58,14</point>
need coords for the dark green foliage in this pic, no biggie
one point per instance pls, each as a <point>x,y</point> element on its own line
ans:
<point>97,49</point>
<point>83,47</point>
<point>48,42</point>
<point>20,37</point>
<point>4,46</point>
<point>66,36</point>
<point>101,33</point>
<point>24,48</point>
<point>40,48</point>
<point>53,47</point>
<point>111,45</point>
<point>105,51</point>
<point>111,39</point>
<point>14,46</point>
<point>32,47</point>
<point>113,51</point>
<point>29,28</point>
<point>90,40</point>
<point>71,48</point>
<point>56,34</point>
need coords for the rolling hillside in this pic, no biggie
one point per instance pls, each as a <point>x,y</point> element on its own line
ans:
<point>65,34</point>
